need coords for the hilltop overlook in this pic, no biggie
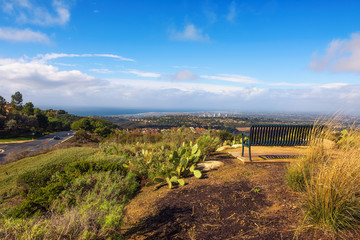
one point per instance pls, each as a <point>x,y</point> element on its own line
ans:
<point>152,183</point>
<point>206,119</point>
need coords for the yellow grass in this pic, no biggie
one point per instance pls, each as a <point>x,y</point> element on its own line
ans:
<point>329,175</point>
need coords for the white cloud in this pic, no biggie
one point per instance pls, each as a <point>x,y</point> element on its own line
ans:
<point>50,56</point>
<point>341,55</point>
<point>142,74</point>
<point>189,87</point>
<point>190,33</point>
<point>291,84</point>
<point>232,12</point>
<point>24,11</point>
<point>231,78</point>
<point>5,61</point>
<point>101,70</point>
<point>185,75</point>
<point>114,56</point>
<point>40,78</point>
<point>9,6</point>
<point>23,35</point>
<point>45,84</point>
<point>333,85</point>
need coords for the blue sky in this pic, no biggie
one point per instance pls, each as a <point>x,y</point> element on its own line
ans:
<point>212,55</point>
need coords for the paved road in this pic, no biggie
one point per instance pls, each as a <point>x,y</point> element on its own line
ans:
<point>35,145</point>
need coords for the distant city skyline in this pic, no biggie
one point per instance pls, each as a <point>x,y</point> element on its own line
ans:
<point>198,55</point>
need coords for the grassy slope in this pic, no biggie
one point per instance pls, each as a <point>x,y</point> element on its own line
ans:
<point>11,171</point>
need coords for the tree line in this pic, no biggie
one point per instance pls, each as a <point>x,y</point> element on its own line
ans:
<point>18,119</point>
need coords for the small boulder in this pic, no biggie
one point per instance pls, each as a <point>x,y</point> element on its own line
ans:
<point>236,145</point>
<point>210,165</point>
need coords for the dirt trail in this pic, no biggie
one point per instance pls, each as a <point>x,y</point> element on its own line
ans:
<point>236,201</point>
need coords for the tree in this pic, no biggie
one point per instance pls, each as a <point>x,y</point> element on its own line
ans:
<point>103,131</point>
<point>38,111</point>
<point>99,127</point>
<point>54,125</point>
<point>43,121</point>
<point>16,101</point>
<point>85,124</point>
<point>30,123</point>
<point>62,111</point>
<point>2,122</point>
<point>2,106</point>
<point>11,125</point>
<point>29,109</point>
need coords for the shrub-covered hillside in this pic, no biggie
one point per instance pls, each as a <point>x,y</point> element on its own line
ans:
<point>80,193</point>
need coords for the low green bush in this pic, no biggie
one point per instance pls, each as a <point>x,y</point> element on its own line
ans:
<point>208,144</point>
<point>42,187</point>
<point>178,164</point>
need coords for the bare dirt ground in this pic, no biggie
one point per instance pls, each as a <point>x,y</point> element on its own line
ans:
<point>237,201</point>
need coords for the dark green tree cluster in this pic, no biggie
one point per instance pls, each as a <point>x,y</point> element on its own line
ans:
<point>98,126</point>
<point>18,119</point>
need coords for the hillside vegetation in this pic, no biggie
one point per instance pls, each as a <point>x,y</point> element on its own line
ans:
<point>80,193</point>
<point>13,170</point>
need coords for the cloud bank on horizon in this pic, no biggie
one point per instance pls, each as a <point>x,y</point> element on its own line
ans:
<point>212,60</point>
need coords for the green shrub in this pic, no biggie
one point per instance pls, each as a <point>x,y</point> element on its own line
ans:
<point>208,144</point>
<point>225,135</point>
<point>42,187</point>
<point>98,213</point>
<point>177,165</point>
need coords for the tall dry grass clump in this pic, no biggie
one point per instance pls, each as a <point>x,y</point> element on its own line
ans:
<point>299,172</point>
<point>333,193</point>
<point>329,176</point>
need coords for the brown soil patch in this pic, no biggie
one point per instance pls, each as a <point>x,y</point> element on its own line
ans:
<point>236,201</point>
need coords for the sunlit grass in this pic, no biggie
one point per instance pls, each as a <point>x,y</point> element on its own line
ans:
<point>9,172</point>
<point>329,176</point>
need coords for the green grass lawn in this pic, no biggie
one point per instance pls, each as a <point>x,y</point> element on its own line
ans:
<point>10,172</point>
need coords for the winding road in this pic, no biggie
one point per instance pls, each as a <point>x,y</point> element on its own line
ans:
<point>34,145</point>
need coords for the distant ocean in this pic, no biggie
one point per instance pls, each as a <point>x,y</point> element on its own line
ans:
<point>99,111</point>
